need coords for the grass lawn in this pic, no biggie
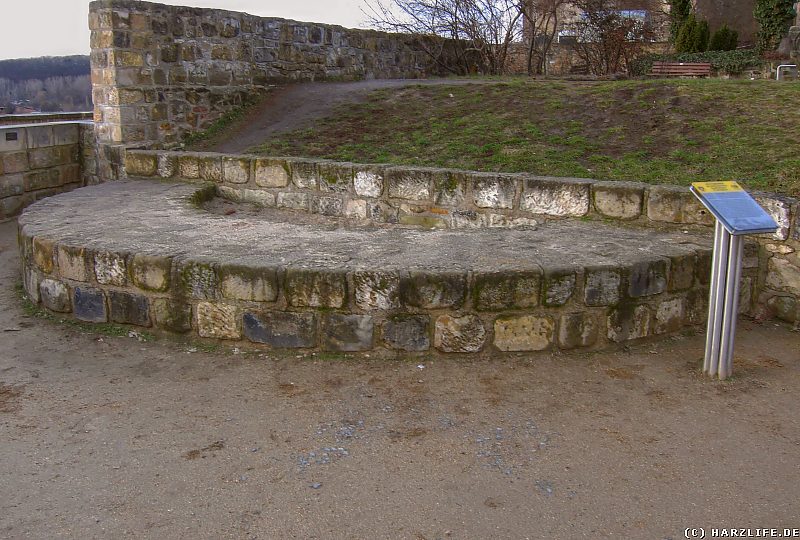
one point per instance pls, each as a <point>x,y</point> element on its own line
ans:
<point>656,131</point>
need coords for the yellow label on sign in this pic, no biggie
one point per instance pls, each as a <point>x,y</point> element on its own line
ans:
<point>716,187</point>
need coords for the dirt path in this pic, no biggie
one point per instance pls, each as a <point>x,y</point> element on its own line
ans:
<point>110,437</point>
<point>296,106</point>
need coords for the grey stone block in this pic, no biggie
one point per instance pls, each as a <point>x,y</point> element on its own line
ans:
<point>293,201</point>
<point>558,286</point>
<point>409,183</point>
<point>199,280</point>
<point>602,286</point>
<point>556,196</point>
<point>681,272</point>
<point>347,333</point>
<point>577,330</point>
<point>407,332</point>
<point>335,177</point>
<point>129,308</point>
<point>465,334</point>
<point>281,330</point>
<point>676,204</point>
<point>497,291</point>
<point>89,304</point>
<point>619,200</point>
<point>434,291</point>
<point>523,333</point>
<point>493,191</point>
<point>670,315</point>
<point>647,278</point>
<point>55,296</point>
<point>629,321</point>
<point>327,206</point>
<point>449,188</point>
<point>377,290</point>
<point>304,173</point>
<point>253,284</point>
<point>368,181</point>
<point>172,315</point>
<point>316,288</point>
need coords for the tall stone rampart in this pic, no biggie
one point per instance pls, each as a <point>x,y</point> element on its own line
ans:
<point>160,72</point>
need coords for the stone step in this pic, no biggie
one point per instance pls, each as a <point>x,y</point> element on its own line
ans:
<point>144,253</point>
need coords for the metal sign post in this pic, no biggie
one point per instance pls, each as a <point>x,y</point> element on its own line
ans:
<point>737,214</point>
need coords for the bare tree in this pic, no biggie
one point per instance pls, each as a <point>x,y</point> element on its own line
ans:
<point>608,38</point>
<point>477,33</point>
<point>542,19</point>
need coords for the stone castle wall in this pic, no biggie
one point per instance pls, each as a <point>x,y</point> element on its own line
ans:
<point>160,72</point>
<point>40,160</point>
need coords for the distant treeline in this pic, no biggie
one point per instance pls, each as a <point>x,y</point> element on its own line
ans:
<point>21,69</point>
<point>47,84</point>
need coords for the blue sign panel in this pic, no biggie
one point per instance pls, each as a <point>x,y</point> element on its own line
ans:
<point>738,212</point>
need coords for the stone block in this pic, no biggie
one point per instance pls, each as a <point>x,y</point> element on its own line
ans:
<point>189,167</point>
<point>316,288</point>
<point>558,286</point>
<point>258,197</point>
<point>449,188</point>
<point>12,140</point>
<point>647,278</point>
<point>151,273</point>
<point>409,183</point>
<point>675,204</point>
<point>89,304</point>
<point>629,321</point>
<point>30,282</point>
<point>210,169</point>
<point>780,208</point>
<point>236,170</point>
<point>45,179</point>
<point>39,136</point>
<point>577,330</point>
<point>556,196</point>
<point>785,308</point>
<point>281,330</point>
<point>493,191</point>
<point>510,222</point>
<point>73,263</point>
<point>368,181</point>
<point>172,315</point>
<point>167,165</point>
<point>602,286</point>
<point>467,219</point>
<point>670,315</point>
<point>696,308</point>
<point>407,332</point>
<point>465,334</point>
<point>327,206</point>
<point>55,296</point>
<point>64,134</point>
<point>253,284</point>
<point>782,275</point>
<point>304,173</point>
<point>347,333</point>
<point>335,177</point>
<point>199,280</point>
<point>422,221</point>
<point>618,200</point>
<point>355,209</point>
<point>271,173</point>
<point>434,290</point>
<point>293,201</point>
<point>110,268</point>
<point>43,254</point>
<point>681,272</point>
<point>128,308</point>
<point>11,185</point>
<point>377,290</point>
<point>217,321</point>
<point>497,291</point>
<point>703,266</point>
<point>523,333</point>
<point>42,158</point>
<point>15,162</point>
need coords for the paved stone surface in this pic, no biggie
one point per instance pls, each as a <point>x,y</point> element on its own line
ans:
<point>158,220</point>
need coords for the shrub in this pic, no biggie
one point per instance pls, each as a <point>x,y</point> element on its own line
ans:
<point>774,18</point>
<point>693,36</point>
<point>679,11</point>
<point>724,39</point>
<point>725,62</point>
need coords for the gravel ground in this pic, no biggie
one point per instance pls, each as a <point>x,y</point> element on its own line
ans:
<point>113,437</point>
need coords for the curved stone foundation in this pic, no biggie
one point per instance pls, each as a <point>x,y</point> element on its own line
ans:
<point>146,253</point>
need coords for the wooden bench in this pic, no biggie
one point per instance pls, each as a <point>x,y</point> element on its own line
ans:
<point>680,69</point>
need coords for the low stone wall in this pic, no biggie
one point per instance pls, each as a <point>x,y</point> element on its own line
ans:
<point>44,118</point>
<point>40,160</point>
<point>161,262</point>
<point>160,72</point>
<point>440,198</point>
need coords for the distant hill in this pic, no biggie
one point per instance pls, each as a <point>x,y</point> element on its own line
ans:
<point>45,67</point>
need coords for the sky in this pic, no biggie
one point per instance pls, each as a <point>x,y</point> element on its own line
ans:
<point>59,27</point>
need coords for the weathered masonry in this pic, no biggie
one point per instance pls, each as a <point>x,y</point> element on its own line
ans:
<point>341,256</point>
